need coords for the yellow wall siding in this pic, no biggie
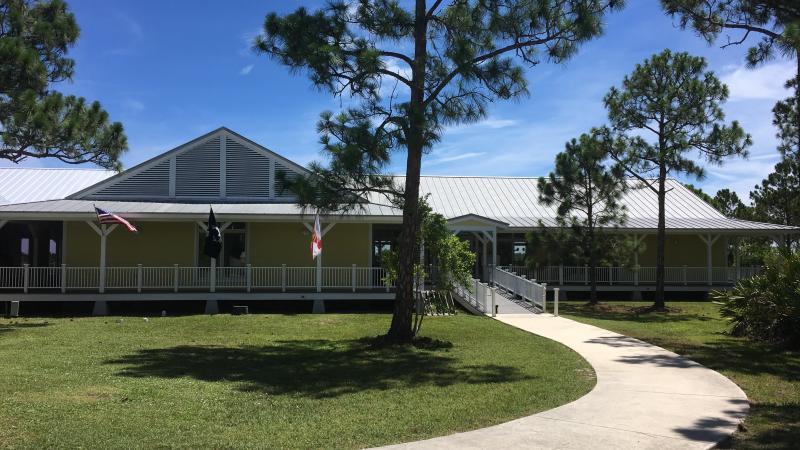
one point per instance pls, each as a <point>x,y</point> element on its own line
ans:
<point>683,250</point>
<point>346,244</point>
<point>273,244</point>
<point>81,245</point>
<point>156,244</point>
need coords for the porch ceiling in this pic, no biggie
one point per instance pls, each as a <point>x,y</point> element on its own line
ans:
<point>84,209</point>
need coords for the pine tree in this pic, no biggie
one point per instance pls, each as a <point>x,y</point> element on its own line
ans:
<point>410,72</point>
<point>35,121</point>
<point>775,23</point>
<point>586,193</point>
<point>671,99</point>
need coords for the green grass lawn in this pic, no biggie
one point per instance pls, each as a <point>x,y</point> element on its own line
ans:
<point>268,381</point>
<point>769,376</point>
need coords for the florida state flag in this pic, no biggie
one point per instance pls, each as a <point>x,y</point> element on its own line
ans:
<point>316,239</point>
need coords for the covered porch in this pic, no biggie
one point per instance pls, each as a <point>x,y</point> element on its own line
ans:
<point>262,258</point>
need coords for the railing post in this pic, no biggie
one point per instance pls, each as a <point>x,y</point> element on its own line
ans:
<point>283,277</point>
<point>494,302</point>
<point>475,281</point>
<point>555,302</point>
<point>585,274</point>
<point>175,277</point>
<point>636,275</point>
<point>544,297</point>
<point>249,276</point>
<point>63,278</point>
<point>610,275</point>
<point>685,280</point>
<point>26,277</point>
<point>561,274</point>
<point>353,276</point>
<point>138,278</point>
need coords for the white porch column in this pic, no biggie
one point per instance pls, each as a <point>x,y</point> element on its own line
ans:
<point>709,241</point>
<point>494,254</point>
<point>100,306</point>
<point>484,261</point>
<point>319,304</point>
<point>103,231</point>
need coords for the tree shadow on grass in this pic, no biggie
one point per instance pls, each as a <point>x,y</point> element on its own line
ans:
<point>315,368</point>
<point>719,351</point>
<point>719,427</point>
<point>787,435</point>
<point>738,355</point>
<point>629,313</point>
<point>13,326</point>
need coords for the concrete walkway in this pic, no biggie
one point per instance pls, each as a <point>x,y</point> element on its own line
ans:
<point>645,398</point>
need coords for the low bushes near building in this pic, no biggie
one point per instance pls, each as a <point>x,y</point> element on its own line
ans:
<point>767,307</point>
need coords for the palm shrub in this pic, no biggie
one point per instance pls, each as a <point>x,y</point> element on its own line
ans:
<point>767,307</point>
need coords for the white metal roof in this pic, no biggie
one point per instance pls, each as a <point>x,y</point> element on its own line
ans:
<point>509,200</point>
<point>506,202</point>
<point>515,201</point>
<point>20,185</point>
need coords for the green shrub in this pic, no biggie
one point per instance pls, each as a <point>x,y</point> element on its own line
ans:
<point>767,307</point>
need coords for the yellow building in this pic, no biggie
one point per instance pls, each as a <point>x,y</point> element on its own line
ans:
<point>52,245</point>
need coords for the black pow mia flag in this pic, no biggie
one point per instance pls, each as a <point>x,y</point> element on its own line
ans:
<point>213,237</point>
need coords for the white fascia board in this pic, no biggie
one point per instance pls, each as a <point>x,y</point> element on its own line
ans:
<point>689,231</point>
<point>158,217</point>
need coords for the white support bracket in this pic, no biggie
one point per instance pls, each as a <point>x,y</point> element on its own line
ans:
<point>3,223</point>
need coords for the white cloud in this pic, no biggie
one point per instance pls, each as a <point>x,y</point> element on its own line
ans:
<point>131,25</point>
<point>248,37</point>
<point>454,157</point>
<point>134,29</point>
<point>133,105</point>
<point>246,69</point>
<point>763,83</point>
<point>482,126</point>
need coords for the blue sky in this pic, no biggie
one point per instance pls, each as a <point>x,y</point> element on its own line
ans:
<point>171,71</point>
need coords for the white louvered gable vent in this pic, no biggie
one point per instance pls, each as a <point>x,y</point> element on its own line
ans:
<point>197,171</point>
<point>281,193</point>
<point>153,182</point>
<point>246,172</point>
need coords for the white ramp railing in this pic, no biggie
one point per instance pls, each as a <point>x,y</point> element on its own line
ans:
<point>520,286</point>
<point>477,296</point>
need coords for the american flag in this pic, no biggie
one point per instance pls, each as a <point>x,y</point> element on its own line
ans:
<point>108,218</point>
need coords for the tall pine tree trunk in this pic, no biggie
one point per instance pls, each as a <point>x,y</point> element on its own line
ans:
<point>401,330</point>
<point>661,239</point>
<point>593,278</point>
<point>592,247</point>
<point>796,109</point>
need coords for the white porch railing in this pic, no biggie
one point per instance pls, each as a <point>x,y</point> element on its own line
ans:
<point>520,286</point>
<point>681,275</point>
<point>178,278</point>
